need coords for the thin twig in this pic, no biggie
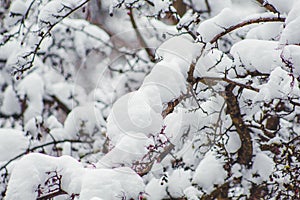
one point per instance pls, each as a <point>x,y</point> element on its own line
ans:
<point>43,36</point>
<point>140,37</point>
<point>40,146</point>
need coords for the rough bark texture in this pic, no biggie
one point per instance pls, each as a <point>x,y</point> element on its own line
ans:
<point>246,150</point>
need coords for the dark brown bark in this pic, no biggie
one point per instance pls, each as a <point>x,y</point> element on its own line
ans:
<point>258,192</point>
<point>180,7</point>
<point>52,195</point>
<point>246,150</point>
<point>268,6</point>
<point>272,123</point>
<point>220,193</point>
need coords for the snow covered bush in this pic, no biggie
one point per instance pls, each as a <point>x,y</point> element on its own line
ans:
<point>154,99</point>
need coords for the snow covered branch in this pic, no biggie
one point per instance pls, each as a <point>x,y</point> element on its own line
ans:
<point>32,149</point>
<point>63,11</point>
<point>131,99</point>
<point>246,23</point>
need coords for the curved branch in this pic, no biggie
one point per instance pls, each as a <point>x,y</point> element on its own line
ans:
<point>246,23</point>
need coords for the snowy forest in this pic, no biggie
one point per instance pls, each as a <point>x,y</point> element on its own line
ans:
<point>149,99</point>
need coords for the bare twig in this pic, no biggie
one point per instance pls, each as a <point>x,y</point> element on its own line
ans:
<point>29,64</point>
<point>140,37</point>
<point>40,146</point>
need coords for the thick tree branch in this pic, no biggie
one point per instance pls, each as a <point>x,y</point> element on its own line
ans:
<point>173,104</point>
<point>246,150</point>
<point>166,151</point>
<point>52,195</point>
<point>212,80</point>
<point>191,78</point>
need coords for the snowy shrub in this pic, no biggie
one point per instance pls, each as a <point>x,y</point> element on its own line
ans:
<point>154,99</point>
